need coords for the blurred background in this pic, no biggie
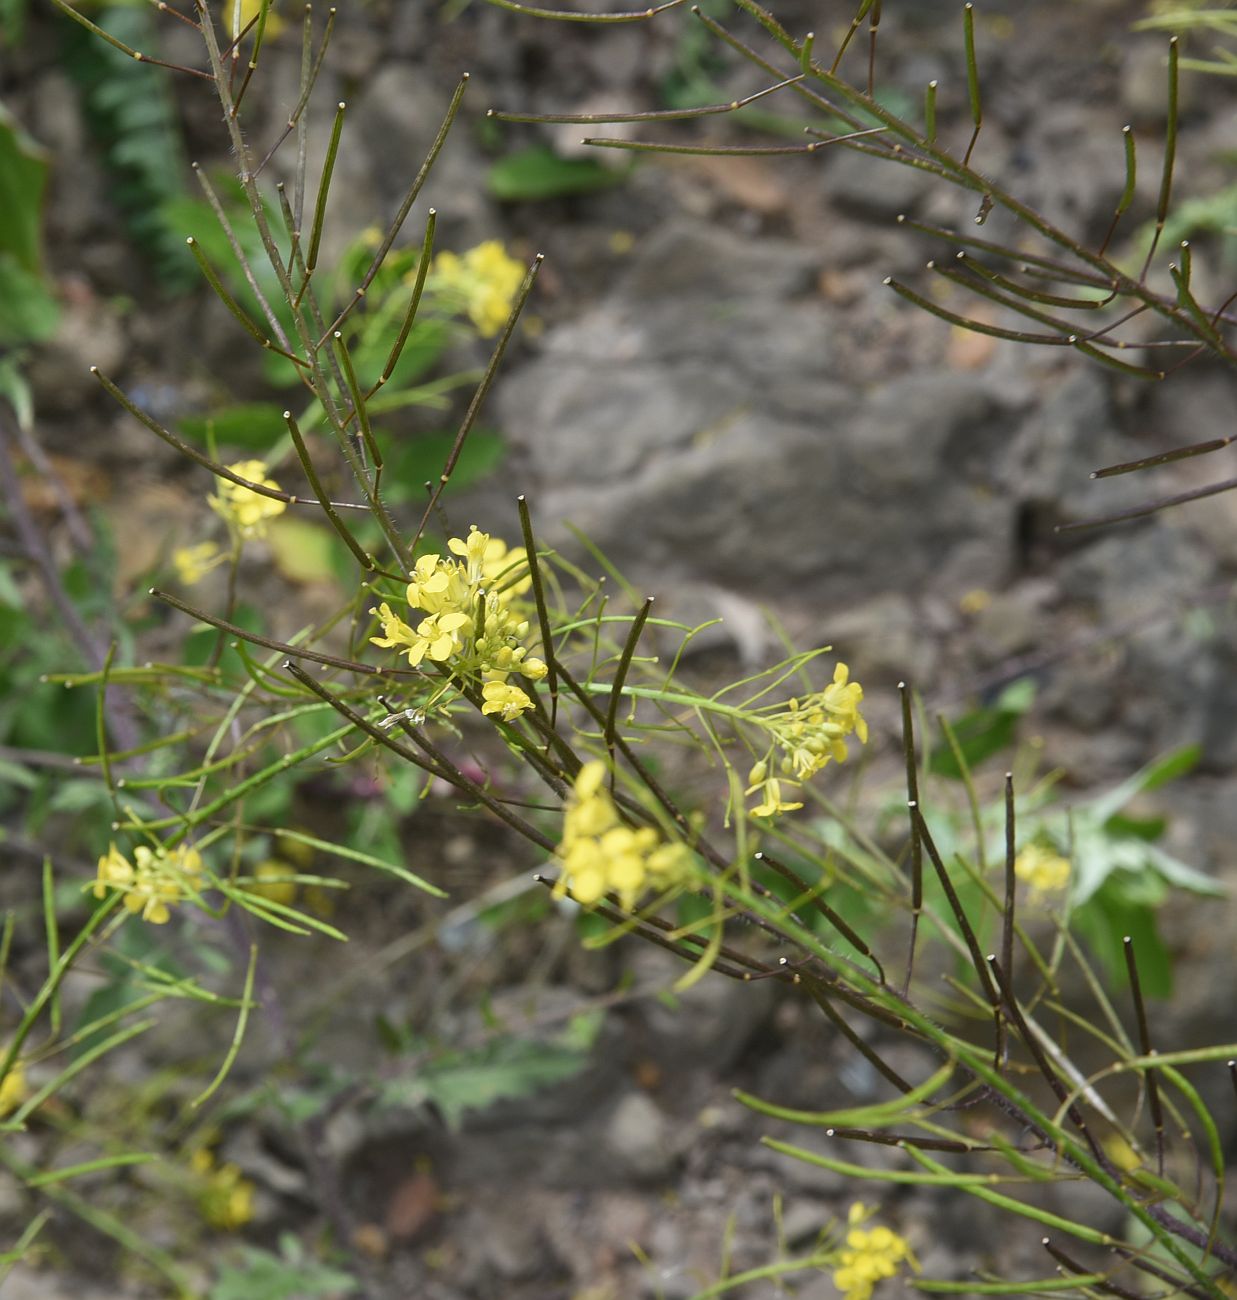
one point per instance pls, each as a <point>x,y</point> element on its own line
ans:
<point>714,386</point>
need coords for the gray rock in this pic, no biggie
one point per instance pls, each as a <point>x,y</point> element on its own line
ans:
<point>1156,673</point>
<point>1073,433</point>
<point>638,1139</point>
<point>404,109</point>
<point>872,187</point>
<point>710,1024</point>
<point>512,1243</point>
<point>1144,82</point>
<point>803,1220</point>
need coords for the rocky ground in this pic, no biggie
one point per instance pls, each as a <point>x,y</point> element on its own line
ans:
<point>723,396</point>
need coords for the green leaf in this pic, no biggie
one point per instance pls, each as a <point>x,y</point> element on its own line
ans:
<point>10,603</point>
<point>1182,876</point>
<point>28,312</point>
<point>12,23</point>
<point>1142,828</point>
<point>540,173</point>
<point>23,175</point>
<point>984,731</point>
<point>1156,773</point>
<point>507,1068</point>
<point>427,341</point>
<point>302,551</point>
<point>1103,924</point>
<point>14,774</point>
<point>418,460</point>
<point>77,796</point>
<point>249,426</point>
<point>1170,767</point>
<point>290,1275</point>
<point>14,387</point>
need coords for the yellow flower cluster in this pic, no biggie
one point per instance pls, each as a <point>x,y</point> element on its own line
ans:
<point>809,733</point>
<point>226,1195</point>
<point>241,508</point>
<point>470,619</point>
<point>485,280</point>
<point>599,855</point>
<point>13,1088</point>
<point>153,881</point>
<point>870,1256</point>
<point>1045,870</point>
<point>193,563</point>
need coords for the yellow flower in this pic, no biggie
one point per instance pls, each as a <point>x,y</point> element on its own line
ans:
<point>870,1256</point>
<point>153,881</point>
<point>490,564</point>
<point>1045,870</point>
<point>13,1088</point>
<point>242,508</point>
<point>226,1196</point>
<point>600,855</point>
<point>770,787</point>
<point>248,12</point>
<point>115,872</point>
<point>842,699</point>
<point>809,733</point>
<point>507,701</point>
<point>274,880</point>
<point>439,586</point>
<point>437,637</point>
<point>472,620</point>
<point>395,632</point>
<point>484,281</point>
<point>193,563</point>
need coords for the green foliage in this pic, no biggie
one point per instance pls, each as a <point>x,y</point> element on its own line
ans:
<point>290,1275</point>
<point>1211,214</point>
<point>1123,877</point>
<point>28,310</point>
<point>507,1067</point>
<point>1204,19</point>
<point>983,732</point>
<point>131,111</point>
<point>539,173</point>
<point>12,23</point>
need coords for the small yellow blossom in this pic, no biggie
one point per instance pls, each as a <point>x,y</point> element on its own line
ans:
<point>226,1195</point>
<point>247,11</point>
<point>395,632</point>
<point>770,787</point>
<point>439,586</point>
<point>842,698</point>
<point>242,508</point>
<point>601,855</point>
<point>437,637</point>
<point>153,881</point>
<point>975,601</point>
<point>484,280</point>
<point>274,880</point>
<point>870,1256</point>
<point>507,701</point>
<point>1045,870</point>
<point>492,564</point>
<point>13,1088</point>
<point>193,563</point>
